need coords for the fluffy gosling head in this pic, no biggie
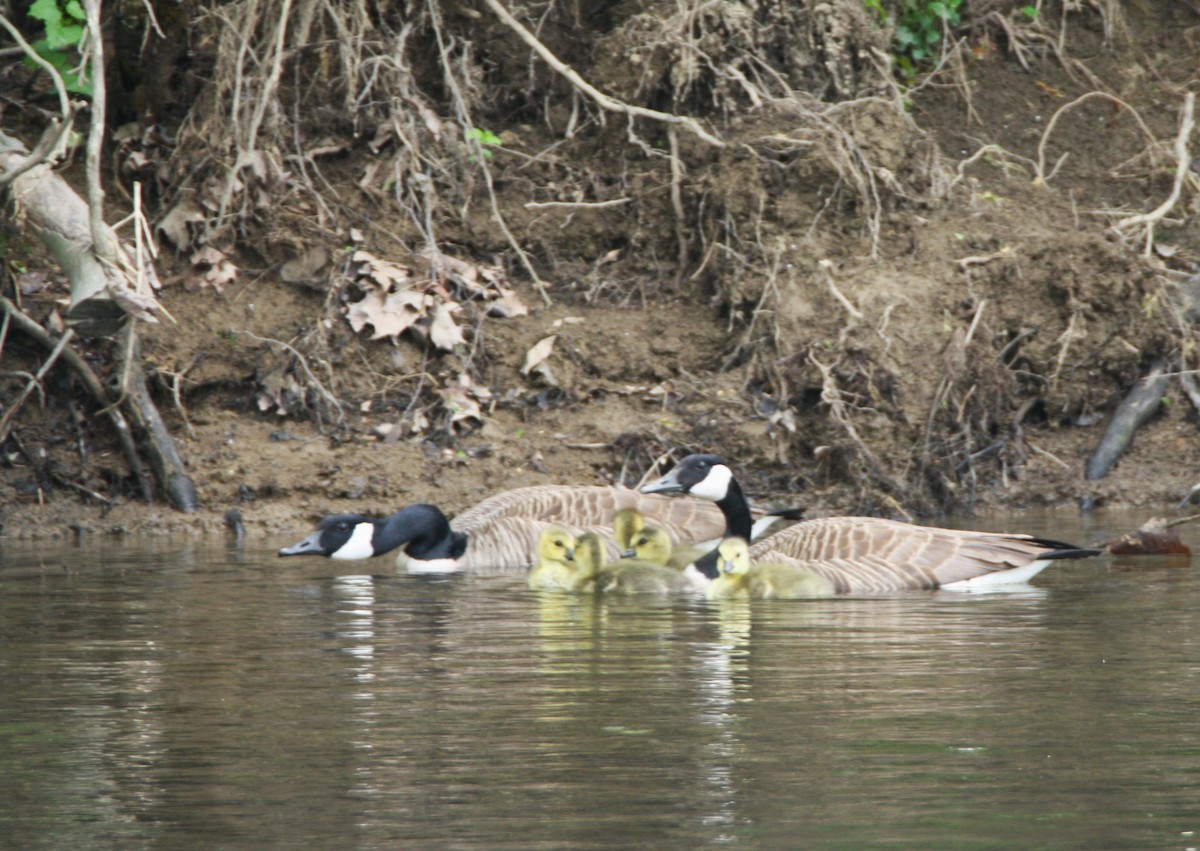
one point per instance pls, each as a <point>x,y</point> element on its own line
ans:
<point>734,556</point>
<point>556,545</point>
<point>626,524</point>
<point>652,545</point>
<point>589,554</point>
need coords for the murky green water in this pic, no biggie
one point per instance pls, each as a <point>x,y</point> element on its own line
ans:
<point>180,695</point>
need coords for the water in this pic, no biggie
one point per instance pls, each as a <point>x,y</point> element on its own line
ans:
<point>195,695</point>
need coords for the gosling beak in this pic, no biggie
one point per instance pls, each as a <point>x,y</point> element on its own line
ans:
<point>629,553</point>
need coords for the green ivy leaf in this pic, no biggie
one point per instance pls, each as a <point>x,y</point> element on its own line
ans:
<point>46,11</point>
<point>65,64</point>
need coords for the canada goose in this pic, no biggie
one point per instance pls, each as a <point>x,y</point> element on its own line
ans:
<point>740,579</point>
<point>500,534</point>
<point>556,568</point>
<point>868,554</point>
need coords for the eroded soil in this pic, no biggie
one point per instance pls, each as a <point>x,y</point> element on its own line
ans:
<point>1007,318</point>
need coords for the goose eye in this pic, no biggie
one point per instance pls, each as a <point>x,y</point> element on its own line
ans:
<point>342,526</point>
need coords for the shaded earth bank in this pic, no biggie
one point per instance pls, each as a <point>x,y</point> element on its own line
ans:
<point>438,266</point>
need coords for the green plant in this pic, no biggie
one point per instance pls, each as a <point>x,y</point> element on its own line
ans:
<point>919,25</point>
<point>486,140</point>
<point>64,25</point>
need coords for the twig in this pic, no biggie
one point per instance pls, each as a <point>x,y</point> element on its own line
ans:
<point>329,397</point>
<point>64,102</point>
<point>1183,162</point>
<point>982,259</point>
<point>538,205</point>
<point>465,119</point>
<point>30,328</point>
<point>1042,178</point>
<point>102,245</point>
<point>1060,462</point>
<point>826,265</point>
<point>677,205</point>
<point>601,99</point>
<point>34,381</point>
<point>46,149</point>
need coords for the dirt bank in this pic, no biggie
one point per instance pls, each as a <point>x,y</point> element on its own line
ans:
<point>936,330</point>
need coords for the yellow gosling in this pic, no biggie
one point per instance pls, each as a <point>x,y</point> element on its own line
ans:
<point>638,576</point>
<point>740,579</point>
<point>556,568</point>
<point>650,543</point>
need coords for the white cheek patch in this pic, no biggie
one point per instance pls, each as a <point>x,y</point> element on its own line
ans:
<point>359,546</point>
<point>715,485</point>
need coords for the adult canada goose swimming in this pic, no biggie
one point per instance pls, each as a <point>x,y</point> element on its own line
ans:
<point>500,534</point>
<point>740,579</point>
<point>557,568</point>
<point>868,554</point>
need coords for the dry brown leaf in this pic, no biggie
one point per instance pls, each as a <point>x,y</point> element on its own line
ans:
<point>459,400</point>
<point>389,315</point>
<point>174,225</point>
<point>538,353</point>
<point>442,330</point>
<point>383,273</point>
<point>209,268</point>
<point>508,306</point>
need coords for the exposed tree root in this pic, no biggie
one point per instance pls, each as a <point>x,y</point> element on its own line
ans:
<point>1143,400</point>
<point>80,367</point>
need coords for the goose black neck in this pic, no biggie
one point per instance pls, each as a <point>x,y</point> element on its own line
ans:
<point>423,531</point>
<point>738,520</point>
<point>708,565</point>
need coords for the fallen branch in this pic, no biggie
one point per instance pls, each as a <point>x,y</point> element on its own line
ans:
<point>164,457</point>
<point>1138,406</point>
<point>101,292</point>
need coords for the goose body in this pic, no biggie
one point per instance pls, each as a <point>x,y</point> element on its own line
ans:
<point>740,579</point>
<point>556,568</point>
<point>868,554</point>
<point>500,534</point>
